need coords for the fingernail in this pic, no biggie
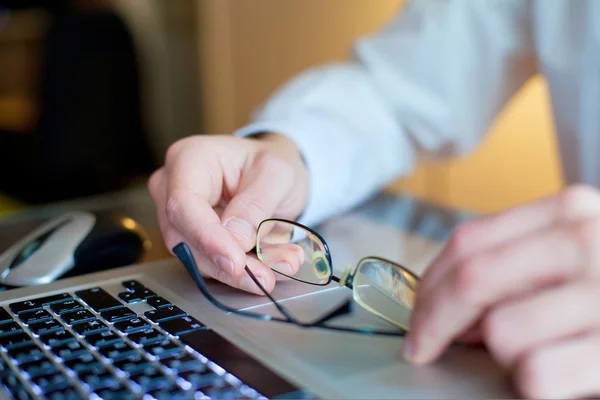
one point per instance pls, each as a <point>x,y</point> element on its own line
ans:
<point>408,349</point>
<point>225,264</point>
<point>250,286</point>
<point>241,228</point>
<point>283,267</point>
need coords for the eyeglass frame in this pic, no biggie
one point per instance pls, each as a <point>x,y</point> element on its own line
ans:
<point>184,254</point>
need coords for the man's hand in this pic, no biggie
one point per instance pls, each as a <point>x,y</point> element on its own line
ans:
<point>526,283</point>
<point>212,193</point>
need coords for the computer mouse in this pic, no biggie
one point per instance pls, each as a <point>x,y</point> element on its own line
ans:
<point>71,244</point>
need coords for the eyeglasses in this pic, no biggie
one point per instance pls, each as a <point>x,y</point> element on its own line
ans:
<point>383,288</point>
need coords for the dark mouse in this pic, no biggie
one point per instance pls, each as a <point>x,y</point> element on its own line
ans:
<point>74,243</point>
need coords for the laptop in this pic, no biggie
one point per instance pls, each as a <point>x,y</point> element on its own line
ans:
<point>146,331</point>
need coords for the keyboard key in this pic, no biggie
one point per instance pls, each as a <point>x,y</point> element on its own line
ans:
<point>85,363</point>
<point>34,316</point>
<point>182,325</point>
<point>117,351</point>
<point>133,364</point>
<point>130,297</point>
<point>69,305</point>
<point>90,327</point>
<point>26,354</point>
<point>158,302</point>
<point>68,393</point>
<point>98,299</point>
<point>132,285</point>
<point>119,314</point>
<point>183,362</point>
<point>52,382</point>
<point>16,340</point>
<point>57,338</point>
<point>163,349</point>
<point>132,325</point>
<point>77,317</point>
<point>36,304</point>
<point>14,387</point>
<point>39,368</point>
<point>70,350</point>
<point>145,293</point>
<point>147,337</point>
<point>164,314</point>
<point>10,329</point>
<point>104,380</point>
<point>103,339</point>
<point>172,393</point>
<point>44,327</point>
<point>4,316</point>
<point>151,380</point>
<point>119,393</point>
<point>202,379</point>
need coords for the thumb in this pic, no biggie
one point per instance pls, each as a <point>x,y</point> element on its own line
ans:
<point>263,187</point>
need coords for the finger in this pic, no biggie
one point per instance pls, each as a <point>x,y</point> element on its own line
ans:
<point>573,204</point>
<point>514,328</point>
<point>284,257</point>
<point>564,369</point>
<point>499,273</point>
<point>262,188</point>
<point>472,335</point>
<point>190,194</point>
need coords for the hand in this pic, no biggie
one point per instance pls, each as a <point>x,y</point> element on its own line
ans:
<point>214,191</point>
<point>526,283</point>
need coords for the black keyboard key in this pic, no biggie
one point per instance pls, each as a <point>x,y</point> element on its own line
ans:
<point>26,354</point>
<point>158,302</point>
<point>90,327</point>
<point>16,340</point>
<point>145,293</point>
<point>202,379</point>
<point>69,305</point>
<point>132,285</point>
<point>104,380</point>
<point>151,380</point>
<point>85,363</point>
<point>98,299</point>
<point>68,393</point>
<point>4,316</point>
<point>52,382</point>
<point>57,338</point>
<point>34,316</point>
<point>163,349</point>
<point>183,362</point>
<point>172,393</point>
<point>103,339</point>
<point>119,393</point>
<point>147,337</point>
<point>36,304</point>
<point>70,350</point>
<point>119,314</point>
<point>132,325</point>
<point>45,327</point>
<point>39,368</point>
<point>77,317</point>
<point>130,297</point>
<point>182,325</point>
<point>117,351</point>
<point>164,314</point>
<point>10,329</point>
<point>133,364</point>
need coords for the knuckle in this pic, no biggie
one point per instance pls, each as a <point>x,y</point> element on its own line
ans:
<point>468,281</point>
<point>462,239</point>
<point>532,376</point>
<point>575,198</point>
<point>172,207</point>
<point>276,165</point>
<point>173,151</point>
<point>153,182</point>
<point>585,235</point>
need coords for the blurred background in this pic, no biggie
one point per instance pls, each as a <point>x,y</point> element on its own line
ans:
<point>92,92</point>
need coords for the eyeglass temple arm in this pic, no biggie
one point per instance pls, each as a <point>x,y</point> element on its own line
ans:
<point>281,309</point>
<point>182,251</point>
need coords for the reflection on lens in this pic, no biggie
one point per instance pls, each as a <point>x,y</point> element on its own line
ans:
<point>386,290</point>
<point>283,242</point>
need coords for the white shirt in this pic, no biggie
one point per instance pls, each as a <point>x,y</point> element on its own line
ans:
<point>430,84</point>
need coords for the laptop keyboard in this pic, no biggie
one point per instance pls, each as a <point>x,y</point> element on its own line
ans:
<point>90,344</point>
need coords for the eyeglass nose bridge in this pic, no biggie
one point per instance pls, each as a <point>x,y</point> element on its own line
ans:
<point>347,277</point>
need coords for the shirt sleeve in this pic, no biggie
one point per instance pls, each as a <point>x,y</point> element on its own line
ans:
<point>428,84</point>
